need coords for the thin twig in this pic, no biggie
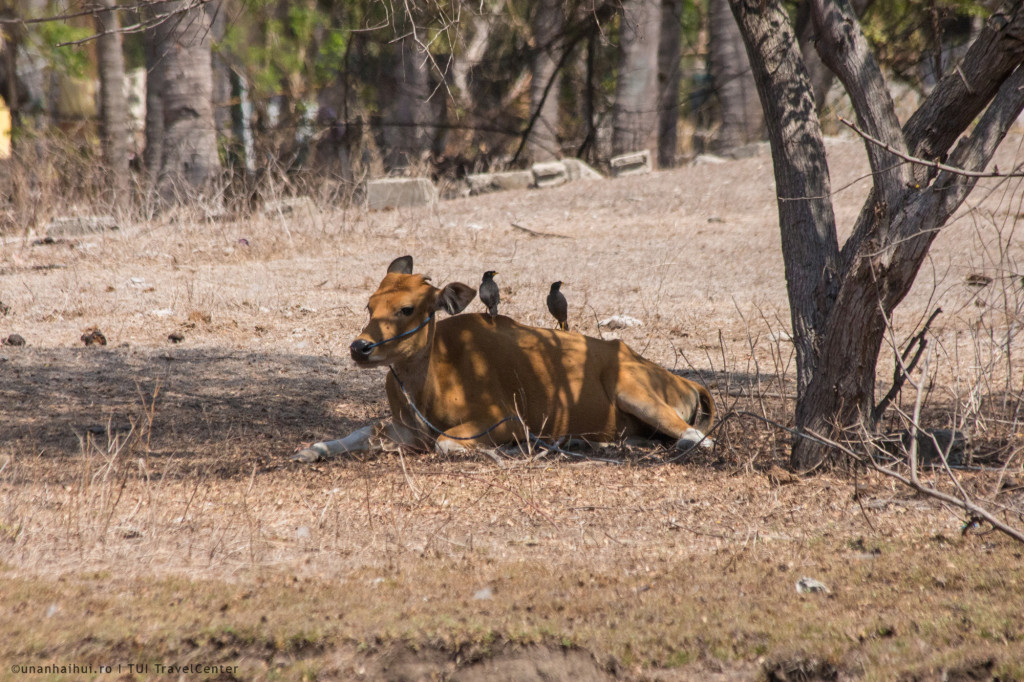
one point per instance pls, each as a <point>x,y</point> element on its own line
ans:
<point>966,504</point>
<point>902,369</point>
<point>931,164</point>
<point>534,233</point>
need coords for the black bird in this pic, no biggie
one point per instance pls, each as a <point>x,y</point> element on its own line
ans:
<point>558,307</point>
<point>489,293</point>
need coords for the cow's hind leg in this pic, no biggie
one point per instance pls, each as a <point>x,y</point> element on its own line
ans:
<point>658,414</point>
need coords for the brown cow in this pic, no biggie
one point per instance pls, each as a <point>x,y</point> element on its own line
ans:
<point>471,380</point>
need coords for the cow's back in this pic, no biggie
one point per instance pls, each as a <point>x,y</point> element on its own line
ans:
<point>559,382</point>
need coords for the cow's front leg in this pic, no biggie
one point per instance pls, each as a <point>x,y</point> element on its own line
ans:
<point>476,434</point>
<point>367,439</point>
<point>359,440</point>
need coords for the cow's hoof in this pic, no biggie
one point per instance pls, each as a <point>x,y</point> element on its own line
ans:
<point>694,438</point>
<point>308,455</point>
<point>448,447</point>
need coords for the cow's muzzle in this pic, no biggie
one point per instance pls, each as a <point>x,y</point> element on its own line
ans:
<point>361,349</point>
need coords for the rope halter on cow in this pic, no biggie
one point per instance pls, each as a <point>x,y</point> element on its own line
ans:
<point>422,324</point>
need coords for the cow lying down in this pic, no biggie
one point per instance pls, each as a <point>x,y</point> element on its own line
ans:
<point>473,381</point>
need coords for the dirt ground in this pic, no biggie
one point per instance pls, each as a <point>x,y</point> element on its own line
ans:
<point>150,515</point>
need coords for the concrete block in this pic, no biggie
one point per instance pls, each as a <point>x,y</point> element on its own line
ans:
<point>73,226</point>
<point>633,163</point>
<point>549,174</point>
<point>579,170</point>
<point>481,183</point>
<point>399,192</point>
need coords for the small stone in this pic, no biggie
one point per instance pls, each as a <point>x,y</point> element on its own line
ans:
<point>94,337</point>
<point>620,322</point>
<point>481,183</point>
<point>809,585</point>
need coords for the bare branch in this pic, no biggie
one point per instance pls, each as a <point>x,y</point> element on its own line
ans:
<point>964,92</point>
<point>74,15</point>
<point>977,148</point>
<point>923,162</point>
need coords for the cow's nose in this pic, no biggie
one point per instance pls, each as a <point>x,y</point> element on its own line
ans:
<point>360,349</point>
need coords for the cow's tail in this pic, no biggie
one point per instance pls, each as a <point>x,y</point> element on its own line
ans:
<point>705,413</point>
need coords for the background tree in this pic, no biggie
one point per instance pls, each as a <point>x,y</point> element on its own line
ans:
<point>113,103</point>
<point>183,79</point>
<point>669,75</point>
<point>548,26</point>
<point>841,300</point>
<point>740,116</point>
<point>635,116</point>
<point>405,105</point>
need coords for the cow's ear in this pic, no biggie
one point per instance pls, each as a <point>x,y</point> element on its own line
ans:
<point>401,265</point>
<point>454,298</point>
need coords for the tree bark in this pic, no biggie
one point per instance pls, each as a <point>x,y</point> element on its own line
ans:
<point>820,75</point>
<point>742,120</point>
<point>634,117</point>
<point>548,25</point>
<point>810,247</point>
<point>668,81</point>
<point>189,162</point>
<point>113,103</point>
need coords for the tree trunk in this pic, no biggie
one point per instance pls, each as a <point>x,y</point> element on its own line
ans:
<point>821,76</point>
<point>548,23</point>
<point>634,116</point>
<point>742,120</point>
<point>113,103</point>
<point>810,247</point>
<point>155,67</point>
<point>668,81</point>
<point>845,299</point>
<point>189,162</point>
<point>404,135</point>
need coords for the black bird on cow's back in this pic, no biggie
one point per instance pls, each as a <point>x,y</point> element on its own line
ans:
<point>489,293</point>
<point>558,307</point>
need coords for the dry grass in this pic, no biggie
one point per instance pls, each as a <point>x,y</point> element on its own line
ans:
<point>149,512</point>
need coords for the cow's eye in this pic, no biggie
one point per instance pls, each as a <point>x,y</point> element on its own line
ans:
<point>407,310</point>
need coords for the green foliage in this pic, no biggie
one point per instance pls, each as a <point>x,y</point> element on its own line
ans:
<point>904,33</point>
<point>72,60</point>
<point>286,47</point>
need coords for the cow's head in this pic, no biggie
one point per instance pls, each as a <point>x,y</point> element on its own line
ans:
<point>401,313</point>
